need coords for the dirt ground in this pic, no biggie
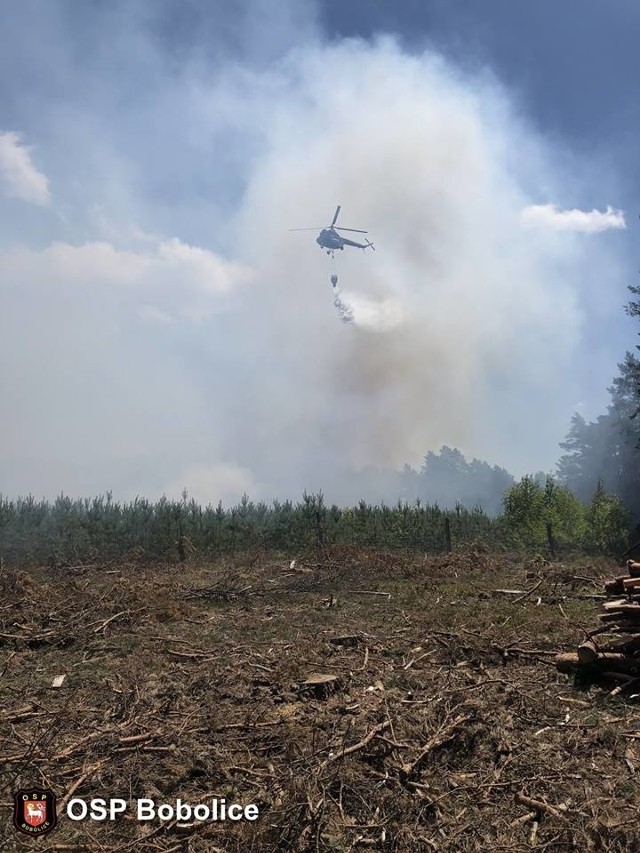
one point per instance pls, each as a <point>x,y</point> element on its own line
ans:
<point>439,723</point>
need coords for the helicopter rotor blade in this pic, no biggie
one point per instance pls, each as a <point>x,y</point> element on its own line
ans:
<point>335,216</point>
<point>358,230</point>
<point>319,228</point>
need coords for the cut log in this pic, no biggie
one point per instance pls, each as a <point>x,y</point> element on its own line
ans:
<point>616,618</point>
<point>610,659</point>
<point>623,613</point>
<point>620,677</point>
<point>606,661</point>
<point>629,665</point>
<point>619,627</point>
<point>567,662</point>
<point>587,652</point>
<point>615,605</point>
<point>631,584</point>
<point>628,644</point>
<point>632,610</point>
<point>633,567</point>
<point>614,586</point>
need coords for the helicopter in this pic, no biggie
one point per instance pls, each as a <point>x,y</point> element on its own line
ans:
<point>330,240</point>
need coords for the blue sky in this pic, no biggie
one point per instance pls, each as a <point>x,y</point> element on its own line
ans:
<point>165,329</point>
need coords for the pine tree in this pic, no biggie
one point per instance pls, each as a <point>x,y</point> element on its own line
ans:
<point>607,451</point>
<point>447,477</point>
<point>590,446</point>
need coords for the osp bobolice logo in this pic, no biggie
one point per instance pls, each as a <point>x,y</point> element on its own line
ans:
<point>34,811</point>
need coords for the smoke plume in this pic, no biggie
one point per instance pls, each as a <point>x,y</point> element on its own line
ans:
<point>174,332</point>
<point>459,316</point>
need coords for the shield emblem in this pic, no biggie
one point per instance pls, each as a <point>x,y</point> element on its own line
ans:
<point>34,811</point>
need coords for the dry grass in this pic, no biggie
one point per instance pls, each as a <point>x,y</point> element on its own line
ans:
<point>447,727</point>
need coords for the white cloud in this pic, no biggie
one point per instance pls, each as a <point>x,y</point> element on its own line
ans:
<point>207,270</point>
<point>20,177</point>
<point>585,221</point>
<point>108,327</point>
<point>179,279</point>
<point>92,262</point>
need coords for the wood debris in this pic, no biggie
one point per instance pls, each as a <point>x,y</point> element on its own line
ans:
<point>611,652</point>
<point>384,725</point>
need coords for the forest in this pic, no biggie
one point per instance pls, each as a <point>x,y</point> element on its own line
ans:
<point>536,516</point>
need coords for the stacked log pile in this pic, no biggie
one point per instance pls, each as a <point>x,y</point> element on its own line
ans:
<point>611,652</point>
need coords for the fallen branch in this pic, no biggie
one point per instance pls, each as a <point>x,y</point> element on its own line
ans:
<point>539,805</point>
<point>79,782</point>
<point>357,746</point>
<point>192,655</point>
<point>247,726</point>
<point>367,592</point>
<point>523,819</point>
<point>365,661</point>
<point>529,591</point>
<point>71,749</point>
<point>441,737</point>
<point>108,621</point>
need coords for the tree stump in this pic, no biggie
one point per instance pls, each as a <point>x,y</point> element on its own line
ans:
<point>320,685</point>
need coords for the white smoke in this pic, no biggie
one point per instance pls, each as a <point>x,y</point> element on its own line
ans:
<point>378,316</point>
<point>361,310</point>
<point>462,323</point>
<point>223,368</point>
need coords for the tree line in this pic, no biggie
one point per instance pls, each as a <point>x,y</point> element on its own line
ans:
<point>535,516</point>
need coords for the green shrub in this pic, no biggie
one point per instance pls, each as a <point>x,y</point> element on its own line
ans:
<point>608,523</point>
<point>530,507</point>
